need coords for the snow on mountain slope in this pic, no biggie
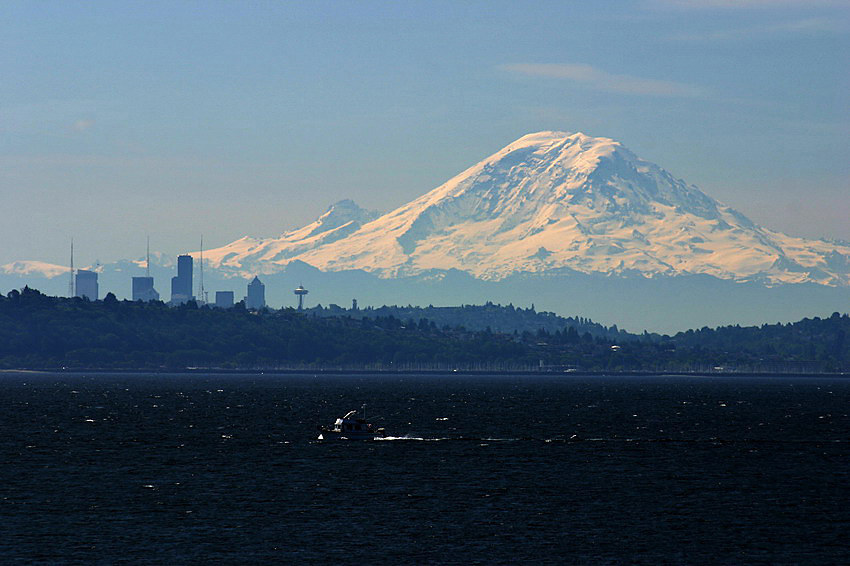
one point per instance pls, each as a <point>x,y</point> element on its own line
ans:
<point>268,255</point>
<point>551,200</point>
<point>38,268</point>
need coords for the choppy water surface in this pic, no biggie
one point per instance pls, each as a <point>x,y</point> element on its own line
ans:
<point>478,470</point>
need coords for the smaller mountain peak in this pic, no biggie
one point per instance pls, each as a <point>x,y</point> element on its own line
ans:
<point>342,205</point>
<point>345,210</point>
<point>341,213</point>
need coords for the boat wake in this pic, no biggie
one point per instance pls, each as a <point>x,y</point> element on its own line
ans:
<point>411,438</point>
<point>454,439</point>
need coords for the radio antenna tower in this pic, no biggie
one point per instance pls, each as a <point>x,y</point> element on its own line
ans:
<point>148,259</point>
<point>71,280</point>
<point>202,296</point>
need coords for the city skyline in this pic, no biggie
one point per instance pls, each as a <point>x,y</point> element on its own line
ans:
<point>83,282</point>
<point>184,124</point>
<point>143,287</point>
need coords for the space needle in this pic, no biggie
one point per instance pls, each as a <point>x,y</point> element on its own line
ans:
<point>301,291</point>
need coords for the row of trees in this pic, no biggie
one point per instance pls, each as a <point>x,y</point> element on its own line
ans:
<point>810,343</point>
<point>42,332</point>
<point>38,331</point>
<point>498,318</point>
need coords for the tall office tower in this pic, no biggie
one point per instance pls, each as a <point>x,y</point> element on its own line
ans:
<point>224,299</point>
<point>181,286</point>
<point>143,289</point>
<point>256,298</point>
<point>86,284</point>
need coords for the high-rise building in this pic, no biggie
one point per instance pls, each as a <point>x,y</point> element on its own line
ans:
<point>86,284</point>
<point>224,299</point>
<point>181,285</point>
<point>143,289</point>
<point>256,298</point>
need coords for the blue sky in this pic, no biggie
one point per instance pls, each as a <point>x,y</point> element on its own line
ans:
<point>176,119</point>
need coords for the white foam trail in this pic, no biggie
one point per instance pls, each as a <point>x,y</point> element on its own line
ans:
<point>415,438</point>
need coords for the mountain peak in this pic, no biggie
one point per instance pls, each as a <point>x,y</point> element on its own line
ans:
<point>553,138</point>
<point>545,136</point>
<point>340,213</point>
<point>576,151</point>
<point>554,200</point>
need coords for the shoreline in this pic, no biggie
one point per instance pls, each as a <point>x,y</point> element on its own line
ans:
<point>316,372</point>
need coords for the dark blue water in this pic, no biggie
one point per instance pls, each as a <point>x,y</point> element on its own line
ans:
<point>484,470</point>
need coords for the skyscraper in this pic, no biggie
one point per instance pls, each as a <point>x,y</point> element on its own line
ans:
<point>256,298</point>
<point>143,289</point>
<point>86,283</point>
<point>181,285</point>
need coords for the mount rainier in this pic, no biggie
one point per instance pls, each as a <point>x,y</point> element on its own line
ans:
<point>570,223</point>
<point>550,202</point>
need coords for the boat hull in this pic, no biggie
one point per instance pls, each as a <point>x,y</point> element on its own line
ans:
<point>350,427</point>
<point>348,435</point>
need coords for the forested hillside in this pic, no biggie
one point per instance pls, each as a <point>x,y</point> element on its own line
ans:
<point>497,318</point>
<point>811,340</point>
<point>42,332</point>
<point>38,331</point>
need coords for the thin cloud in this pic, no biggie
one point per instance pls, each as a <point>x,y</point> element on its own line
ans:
<point>745,4</point>
<point>601,80</point>
<point>82,125</point>
<point>805,26</point>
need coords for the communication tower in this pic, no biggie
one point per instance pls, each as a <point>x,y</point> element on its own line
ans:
<point>300,291</point>
<point>202,295</point>
<point>71,280</point>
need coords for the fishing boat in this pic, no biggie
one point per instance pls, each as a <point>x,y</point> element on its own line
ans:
<point>351,427</point>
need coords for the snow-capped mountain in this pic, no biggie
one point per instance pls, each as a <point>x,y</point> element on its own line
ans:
<point>29,267</point>
<point>550,201</point>
<point>269,255</point>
